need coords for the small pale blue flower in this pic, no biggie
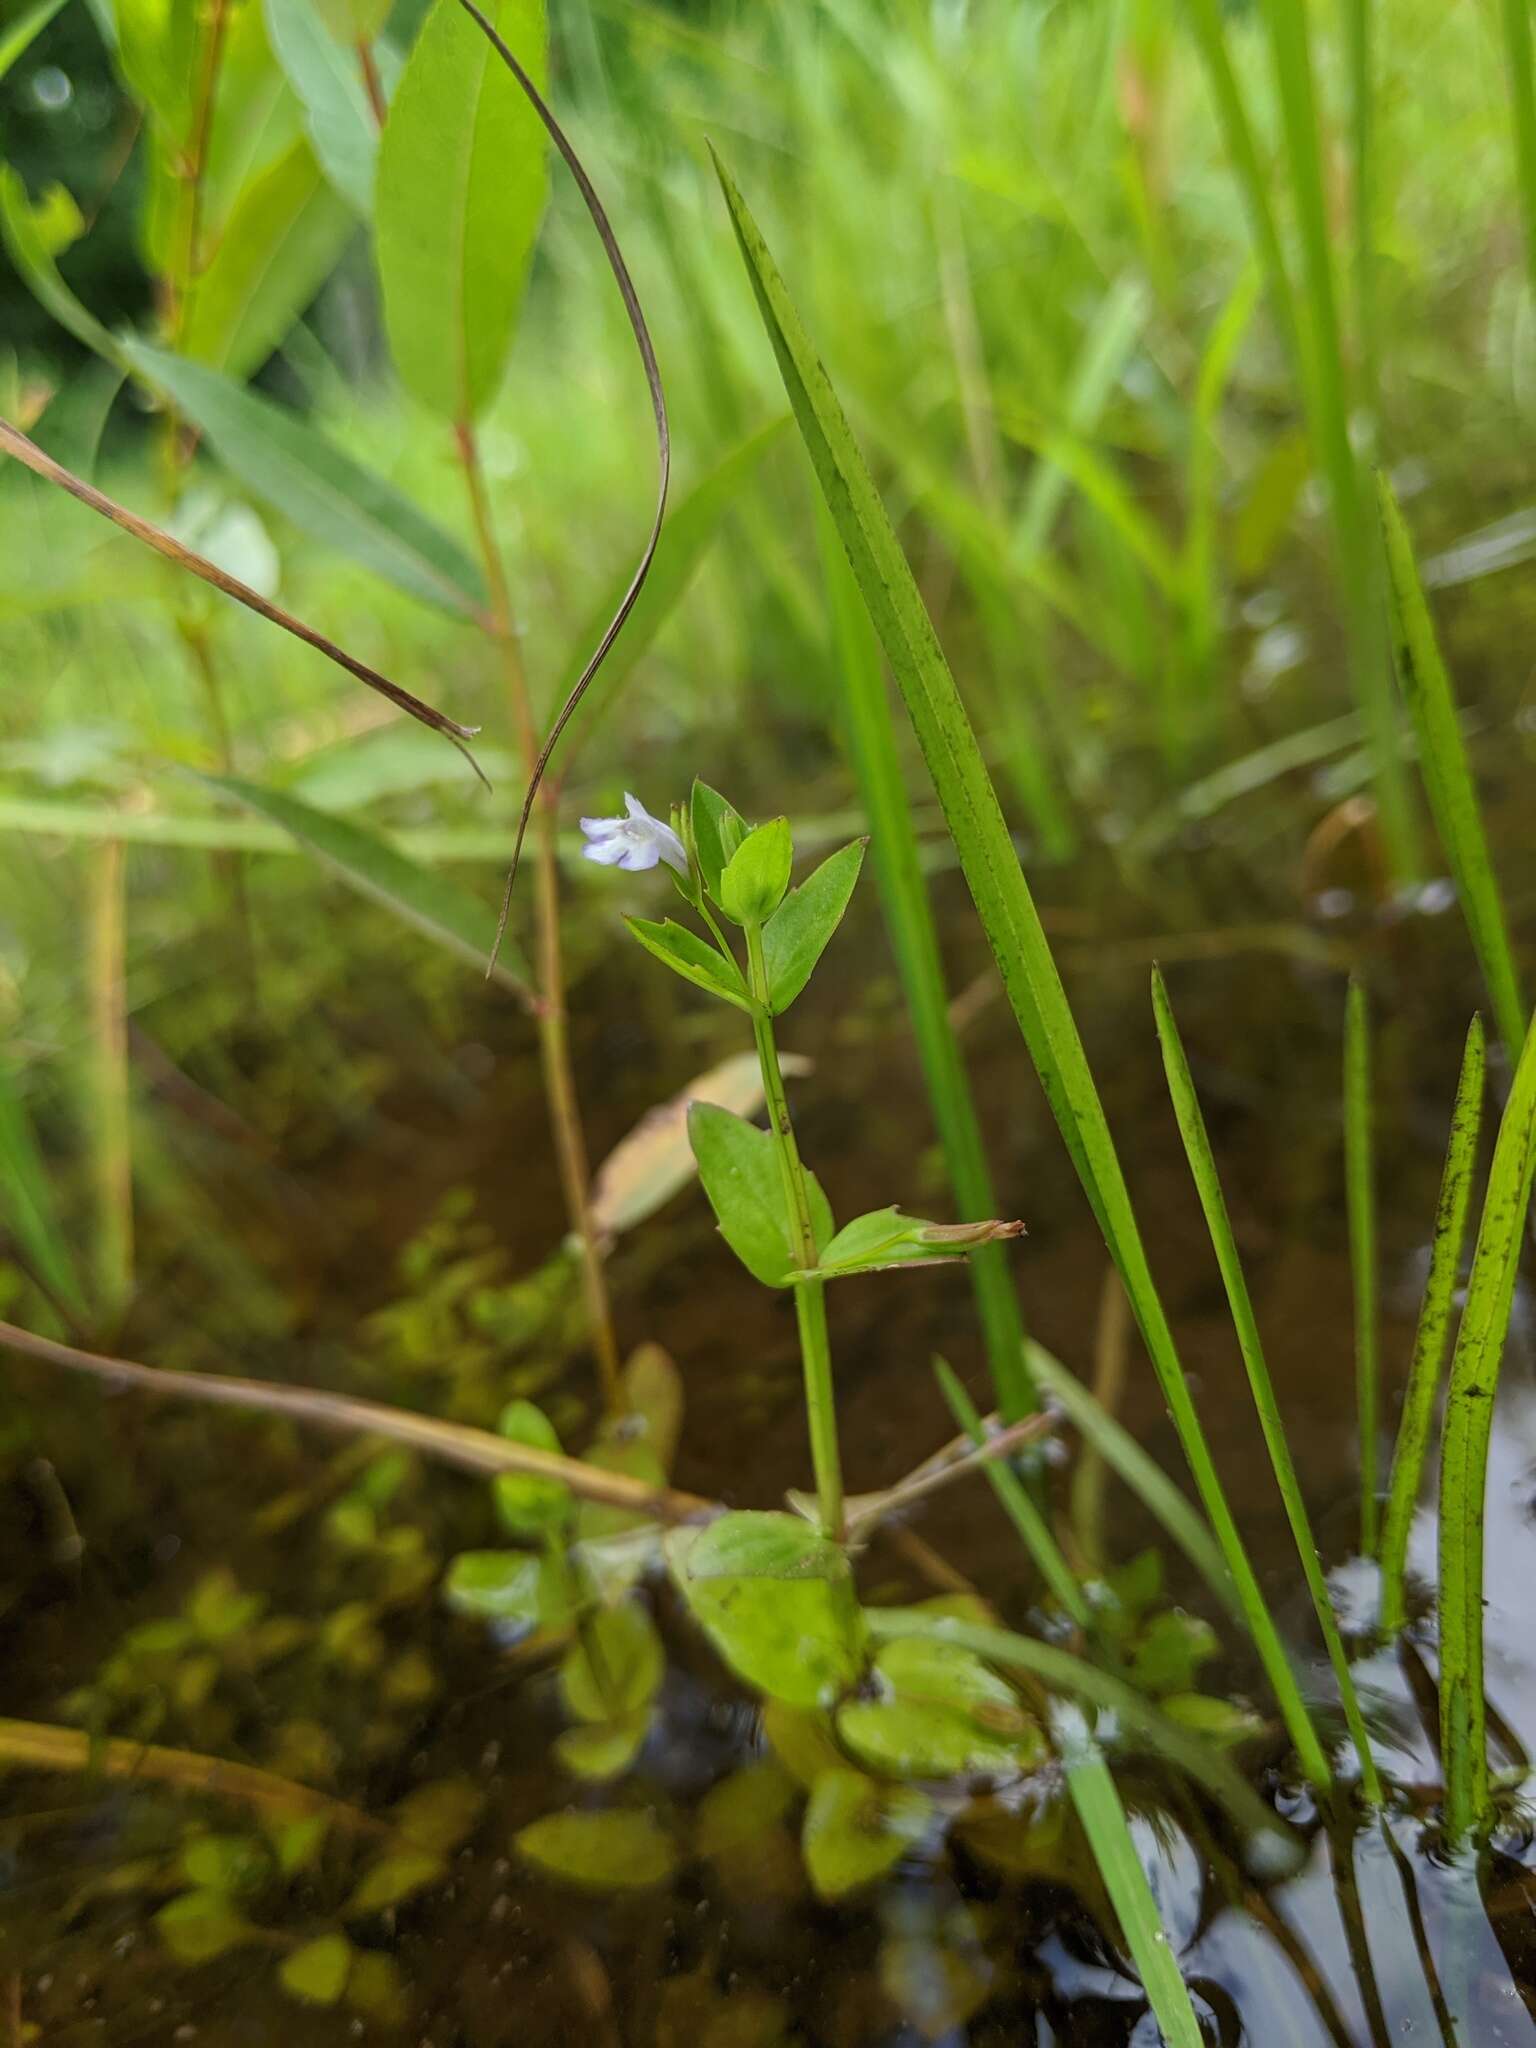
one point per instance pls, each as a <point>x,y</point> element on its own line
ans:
<point>636,842</point>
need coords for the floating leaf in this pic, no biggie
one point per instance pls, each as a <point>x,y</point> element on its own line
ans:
<point>941,1713</point>
<point>393,1879</point>
<point>513,1586</point>
<point>437,1817</point>
<point>777,1601</point>
<point>691,957</point>
<point>856,1830</point>
<point>802,1742</point>
<point>799,931</point>
<point>200,1925</point>
<point>742,1808</point>
<point>622,1850</point>
<point>460,191</point>
<point>283,460</point>
<point>615,1666</point>
<point>742,1176</point>
<point>529,1506</point>
<point>232,1864</point>
<point>753,880</point>
<point>1172,1648</point>
<point>374,1986</point>
<point>317,1973</point>
<point>603,1749</point>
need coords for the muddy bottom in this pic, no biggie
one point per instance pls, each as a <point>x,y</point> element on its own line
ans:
<point>288,1588</point>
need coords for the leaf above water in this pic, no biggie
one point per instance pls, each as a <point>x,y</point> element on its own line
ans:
<point>799,931</point>
<point>528,1506</point>
<point>941,1713</point>
<point>739,1167</point>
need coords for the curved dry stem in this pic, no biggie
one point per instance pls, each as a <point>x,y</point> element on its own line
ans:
<point>454,1443</point>
<point>643,343</point>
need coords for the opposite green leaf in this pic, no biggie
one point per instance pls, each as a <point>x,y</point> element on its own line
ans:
<point>328,79</point>
<point>718,829</point>
<point>526,1505</point>
<point>797,934</point>
<point>691,957</point>
<point>939,1712</point>
<point>283,460</point>
<point>200,1925</point>
<point>777,1601</point>
<point>739,1169</point>
<point>461,187</point>
<point>754,879</point>
<point>855,1830</point>
<point>615,1666</point>
<point>514,1586</point>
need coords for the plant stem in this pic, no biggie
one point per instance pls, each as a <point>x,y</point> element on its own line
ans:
<point>112,1147</point>
<point>554,1040</point>
<point>372,84</point>
<point>1359,1175</point>
<point>810,1295</point>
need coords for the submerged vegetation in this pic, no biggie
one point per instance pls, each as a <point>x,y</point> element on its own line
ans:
<point>1089,594</point>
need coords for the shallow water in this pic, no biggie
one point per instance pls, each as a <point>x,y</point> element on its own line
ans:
<point>117,1509</point>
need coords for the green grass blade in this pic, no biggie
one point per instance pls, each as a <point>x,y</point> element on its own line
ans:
<point>1074,1678</point>
<point>1515,17</point>
<point>1007,910</point>
<point>1202,1164</point>
<point>1102,1814</point>
<point>21,34</point>
<point>1137,1469</point>
<point>28,1213</point>
<point>1360,1192</point>
<point>1360,55</point>
<point>1426,688</point>
<point>914,940</point>
<point>1413,1431</point>
<point>1033,1529</point>
<point>1464,1453</point>
<point>1326,380</point>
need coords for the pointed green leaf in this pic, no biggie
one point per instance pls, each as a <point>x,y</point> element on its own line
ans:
<point>739,1167</point>
<point>317,1973</point>
<point>529,1506</point>
<point>393,1879</point>
<point>624,1850</point>
<point>777,1601</point>
<point>797,934</point>
<point>284,461</point>
<point>718,829</point>
<point>437,1817</point>
<point>460,191</point>
<point>691,957</point>
<point>434,903</point>
<point>328,79</point>
<point>741,1808</point>
<point>753,880</point>
<point>856,1830</point>
<point>278,247</point>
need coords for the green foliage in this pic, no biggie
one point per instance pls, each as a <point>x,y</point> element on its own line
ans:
<point>799,931</point>
<point>1464,1454</point>
<point>283,460</point>
<point>688,955</point>
<point>528,1506</point>
<point>857,1829</point>
<point>753,880</point>
<point>617,1850</point>
<point>317,1973</point>
<point>460,193</point>
<point>328,80</point>
<point>739,1171</point>
<point>777,1601</point>
<point>938,1711</point>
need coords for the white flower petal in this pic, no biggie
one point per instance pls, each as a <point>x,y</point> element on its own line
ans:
<point>608,853</point>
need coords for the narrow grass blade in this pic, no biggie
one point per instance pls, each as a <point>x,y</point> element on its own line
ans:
<point>1434,1329</point>
<point>1137,1469</point>
<point>1102,1814</point>
<point>1007,910</point>
<point>1033,1529</point>
<point>1359,48</point>
<point>1426,688</point>
<point>28,1213</point>
<point>1074,1678</point>
<point>1464,1454</point>
<point>1327,382</point>
<point>1202,1164</point>
<point>909,923</point>
<point>1360,1193</point>
<point>1515,18</point>
<point>434,903</point>
<point>21,34</point>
